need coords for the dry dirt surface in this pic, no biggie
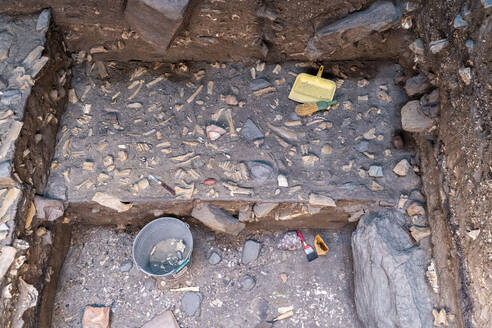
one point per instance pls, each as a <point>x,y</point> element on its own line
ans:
<point>320,292</point>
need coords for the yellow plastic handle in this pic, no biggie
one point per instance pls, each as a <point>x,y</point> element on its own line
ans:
<point>320,71</point>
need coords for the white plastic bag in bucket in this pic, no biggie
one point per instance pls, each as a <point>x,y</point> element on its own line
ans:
<point>159,236</point>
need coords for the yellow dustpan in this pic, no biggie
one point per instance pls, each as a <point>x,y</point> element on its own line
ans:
<point>311,89</point>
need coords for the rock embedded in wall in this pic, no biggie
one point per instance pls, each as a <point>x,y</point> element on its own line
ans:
<point>390,286</point>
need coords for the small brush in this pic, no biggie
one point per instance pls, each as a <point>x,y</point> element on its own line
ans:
<point>310,109</point>
<point>283,316</point>
<point>165,186</point>
<point>310,253</point>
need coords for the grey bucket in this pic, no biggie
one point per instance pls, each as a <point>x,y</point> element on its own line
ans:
<point>156,231</point>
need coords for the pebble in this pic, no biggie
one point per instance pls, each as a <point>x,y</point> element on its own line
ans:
<point>417,47</point>
<point>126,266</point>
<point>401,169</point>
<point>438,45</point>
<point>260,171</point>
<point>190,303</point>
<point>282,181</point>
<point>415,209</point>
<point>363,146</point>
<point>247,282</point>
<point>469,44</point>
<point>326,149</point>
<point>413,119</point>
<point>214,258</point>
<point>321,200</point>
<point>231,100</point>
<point>465,74</point>
<point>259,84</point>
<point>251,132</point>
<point>416,85</point>
<point>251,251</point>
<point>375,171</point>
<point>96,317</point>
<point>209,181</point>
<point>459,22</point>
<point>419,233</point>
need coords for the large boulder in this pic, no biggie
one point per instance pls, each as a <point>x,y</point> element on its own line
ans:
<point>379,17</point>
<point>156,20</point>
<point>390,286</point>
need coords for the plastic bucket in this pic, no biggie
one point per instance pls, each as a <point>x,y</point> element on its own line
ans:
<point>156,231</point>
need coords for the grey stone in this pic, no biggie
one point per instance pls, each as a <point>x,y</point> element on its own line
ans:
<point>390,286</point>
<point>157,21</point>
<point>459,22</point>
<point>5,175</point>
<point>465,74</point>
<point>5,44</point>
<point>486,3</point>
<point>258,84</point>
<point>217,219</point>
<point>48,209</point>
<point>379,17</point>
<point>163,320</point>
<point>251,250</point>
<point>417,85</point>
<point>190,303</point>
<point>263,209</point>
<point>413,119</point>
<point>43,21</point>
<point>10,96</point>
<point>267,13</point>
<point>409,6</point>
<point>375,171</point>
<point>250,131</point>
<point>245,214</point>
<point>469,44</point>
<point>362,146</point>
<point>7,255</point>
<point>214,258</point>
<point>438,45</point>
<point>430,104</point>
<point>126,266</point>
<point>247,282</point>
<point>260,171</point>
<point>417,47</point>
<point>32,57</point>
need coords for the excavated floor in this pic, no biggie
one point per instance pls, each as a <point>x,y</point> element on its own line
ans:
<point>125,122</point>
<point>320,292</point>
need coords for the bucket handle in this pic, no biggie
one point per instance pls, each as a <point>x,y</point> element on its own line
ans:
<point>320,71</point>
<point>182,265</point>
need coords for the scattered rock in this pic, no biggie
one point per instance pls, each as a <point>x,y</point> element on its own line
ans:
<point>387,261</point>
<point>459,22</point>
<point>310,159</point>
<point>48,209</point>
<point>231,100</point>
<point>321,200</point>
<point>20,244</point>
<point>415,208</point>
<point>7,255</point>
<point>440,318</point>
<point>96,317</point>
<point>282,181</point>
<point>376,186</point>
<point>43,21</point>
<point>289,241</point>
<point>163,320</point>
<point>379,17</point>
<point>246,214</point>
<point>438,45</point>
<point>28,298</point>
<point>326,149</point>
<point>247,282</point>
<point>401,169</point>
<point>263,209</point>
<point>110,201</point>
<point>413,119</point>
<point>265,12</point>
<point>251,250</point>
<point>431,276</point>
<point>363,146</point>
<point>217,219</point>
<point>469,44</point>
<point>465,74</point>
<point>430,104</point>
<point>214,258</point>
<point>417,47</point>
<point>5,44</point>
<point>259,84</point>
<point>5,175</point>
<point>419,233</point>
<point>417,85</point>
<point>190,303</point>
<point>375,171</point>
<point>260,171</point>
<point>126,266</point>
<point>473,234</point>
<point>10,96</point>
<point>214,132</point>
<point>251,132</point>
